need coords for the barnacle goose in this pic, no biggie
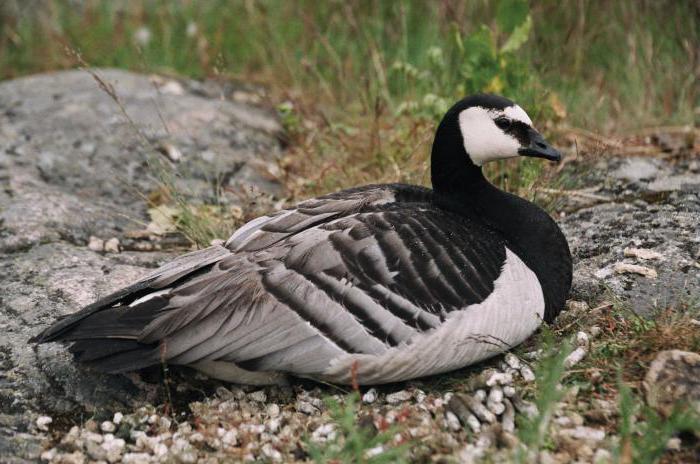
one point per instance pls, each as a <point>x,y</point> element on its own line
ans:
<point>376,284</point>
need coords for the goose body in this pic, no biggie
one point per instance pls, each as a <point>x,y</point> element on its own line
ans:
<point>377,284</point>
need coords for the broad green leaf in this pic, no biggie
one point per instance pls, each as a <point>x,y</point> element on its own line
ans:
<point>518,37</point>
<point>511,14</point>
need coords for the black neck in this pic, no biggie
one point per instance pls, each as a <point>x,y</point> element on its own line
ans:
<point>527,230</point>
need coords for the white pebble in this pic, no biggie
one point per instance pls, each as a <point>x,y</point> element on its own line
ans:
<point>452,421</point>
<point>595,331</point>
<point>479,410</point>
<point>474,423</point>
<point>117,419</point>
<point>584,433</point>
<point>582,339</point>
<point>673,444</point>
<point>509,391</point>
<point>96,244</point>
<point>136,458</point>
<point>527,374</point>
<point>512,360</point>
<point>480,395</point>
<point>230,438</point>
<point>112,245</point>
<point>495,401</point>
<point>508,419</point>
<point>108,427</point>
<point>373,452</point>
<point>114,449</point>
<point>499,378</point>
<point>260,396</point>
<point>575,357</point>
<point>273,410</point>
<point>398,397</point>
<point>370,396</point>
<point>271,453</point>
<point>42,423</point>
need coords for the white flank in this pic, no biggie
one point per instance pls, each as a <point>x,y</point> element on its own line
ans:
<point>512,312</point>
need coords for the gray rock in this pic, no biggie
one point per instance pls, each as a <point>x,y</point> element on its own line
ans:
<point>673,379</point>
<point>639,215</point>
<point>72,167</point>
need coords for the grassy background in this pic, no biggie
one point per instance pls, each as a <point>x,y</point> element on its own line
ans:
<point>360,84</point>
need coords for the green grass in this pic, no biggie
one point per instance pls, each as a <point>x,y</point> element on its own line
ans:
<point>360,84</point>
<point>352,442</point>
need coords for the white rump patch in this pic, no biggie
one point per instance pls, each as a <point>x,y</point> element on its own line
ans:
<point>511,313</point>
<point>483,139</point>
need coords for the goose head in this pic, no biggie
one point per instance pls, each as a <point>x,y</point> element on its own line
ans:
<point>479,129</point>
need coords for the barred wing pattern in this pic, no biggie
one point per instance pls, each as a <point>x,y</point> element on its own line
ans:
<point>354,274</point>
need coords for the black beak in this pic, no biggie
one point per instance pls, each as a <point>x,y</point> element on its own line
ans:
<point>539,148</point>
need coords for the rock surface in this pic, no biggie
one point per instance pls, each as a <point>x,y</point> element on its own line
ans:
<point>673,378</point>
<point>73,165</point>
<point>641,238</point>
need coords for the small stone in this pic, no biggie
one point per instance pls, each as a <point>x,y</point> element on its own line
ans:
<point>480,395</point>
<point>117,419</point>
<point>136,458</point>
<point>114,448</point>
<point>273,425</point>
<point>673,378</point>
<point>271,453</point>
<point>42,423</point>
<point>419,395</point>
<point>112,245</point>
<point>452,421</point>
<point>494,402</point>
<point>602,456</point>
<point>525,407</point>
<point>527,374</point>
<point>575,357</point>
<point>95,451</point>
<point>642,253</point>
<point>260,396</point>
<point>170,151</point>
<point>108,427</point>
<point>75,457</point>
<point>306,408</point>
<point>462,404</point>
<point>573,305</point>
<point>626,268</point>
<point>96,244</point>
<point>48,455</point>
<point>583,433</point>
<point>323,433</point>
<point>230,438</point>
<point>582,339</point>
<point>508,419</point>
<point>673,444</point>
<point>398,397</point>
<point>374,452</point>
<point>512,361</point>
<point>370,396</point>
<point>508,391</point>
<point>595,331</point>
<point>273,410</point>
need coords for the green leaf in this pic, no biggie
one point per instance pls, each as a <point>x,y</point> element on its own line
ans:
<point>511,14</point>
<point>518,37</point>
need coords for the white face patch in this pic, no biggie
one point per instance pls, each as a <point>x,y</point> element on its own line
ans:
<point>483,139</point>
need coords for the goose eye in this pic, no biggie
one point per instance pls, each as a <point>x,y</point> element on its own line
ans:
<point>503,123</point>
